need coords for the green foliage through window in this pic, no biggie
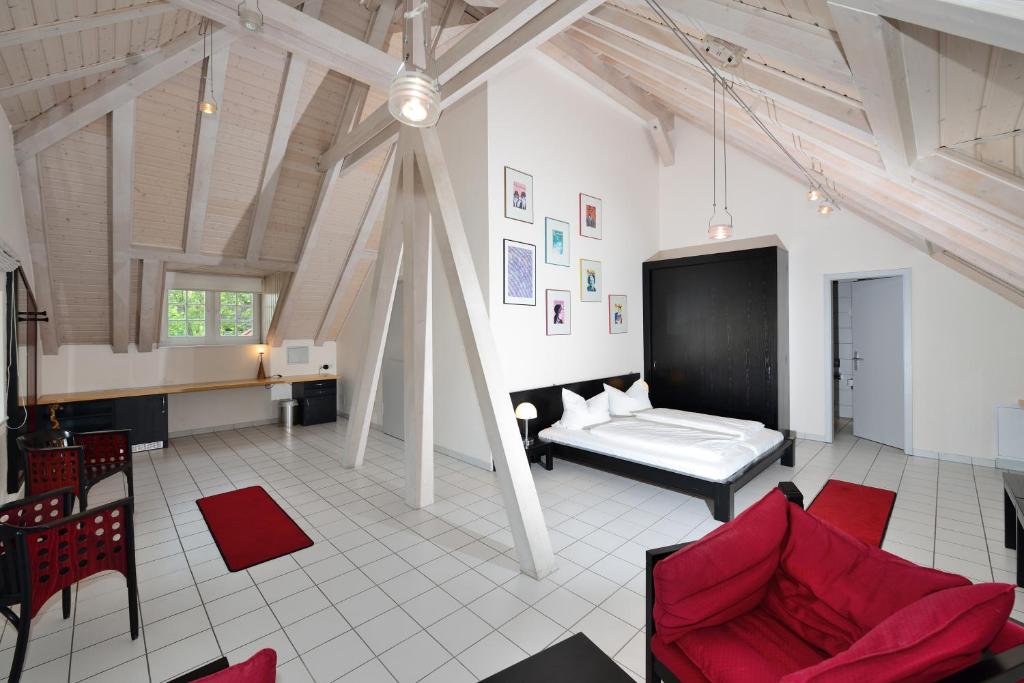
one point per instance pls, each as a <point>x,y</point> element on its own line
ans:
<point>186,313</point>
<point>236,314</point>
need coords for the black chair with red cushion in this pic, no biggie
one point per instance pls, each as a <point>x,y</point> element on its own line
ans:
<point>106,453</point>
<point>53,467</point>
<point>45,550</point>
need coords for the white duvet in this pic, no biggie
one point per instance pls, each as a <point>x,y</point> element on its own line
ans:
<point>711,423</point>
<point>707,454</point>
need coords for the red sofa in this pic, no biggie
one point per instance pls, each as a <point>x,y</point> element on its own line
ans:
<point>779,596</point>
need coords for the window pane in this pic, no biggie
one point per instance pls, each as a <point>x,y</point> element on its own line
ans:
<point>176,311</point>
<point>245,313</point>
<point>245,329</point>
<point>196,312</point>
<point>176,296</point>
<point>245,298</point>
<point>227,298</point>
<point>196,329</point>
<point>176,329</point>
<point>227,312</point>
<point>195,297</point>
<point>227,329</point>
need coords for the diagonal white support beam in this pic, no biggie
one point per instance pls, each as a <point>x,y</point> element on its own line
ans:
<point>655,117</point>
<point>110,93</point>
<point>204,146</point>
<point>284,121</point>
<point>993,22</point>
<point>56,29</point>
<point>418,339</point>
<point>810,49</point>
<point>385,282</point>
<point>296,32</point>
<point>122,149</point>
<point>873,47</point>
<point>59,77</point>
<point>151,304</point>
<point>357,253</point>
<point>518,490</point>
<point>35,221</point>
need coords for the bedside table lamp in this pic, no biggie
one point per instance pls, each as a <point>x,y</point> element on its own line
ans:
<point>260,372</point>
<point>527,412</point>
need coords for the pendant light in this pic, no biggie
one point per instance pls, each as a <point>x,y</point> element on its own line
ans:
<point>826,207</point>
<point>250,19</point>
<point>414,98</point>
<point>813,194</point>
<point>719,230</point>
<point>208,103</point>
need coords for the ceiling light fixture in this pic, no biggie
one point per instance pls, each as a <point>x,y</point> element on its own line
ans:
<point>250,19</point>
<point>720,230</point>
<point>813,194</point>
<point>826,207</point>
<point>414,98</point>
<point>208,104</point>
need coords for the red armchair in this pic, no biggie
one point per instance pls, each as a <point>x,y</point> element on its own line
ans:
<point>44,551</point>
<point>53,467</point>
<point>778,595</point>
<point>105,453</point>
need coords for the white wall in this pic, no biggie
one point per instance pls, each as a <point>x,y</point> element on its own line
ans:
<point>546,122</point>
<point>967,342</point>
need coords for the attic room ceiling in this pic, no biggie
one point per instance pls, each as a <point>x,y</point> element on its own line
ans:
<point>913,110</point>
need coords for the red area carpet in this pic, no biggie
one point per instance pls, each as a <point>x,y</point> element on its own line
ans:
<point>249,527</point>
<point>861,511</point>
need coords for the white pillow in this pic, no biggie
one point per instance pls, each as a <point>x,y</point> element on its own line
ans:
<point>579,413</point>
<point>627,402</point>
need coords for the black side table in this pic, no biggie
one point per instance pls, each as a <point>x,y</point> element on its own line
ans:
<point>540,449</point>
<point>1013,511</point>
<point>575,659</point>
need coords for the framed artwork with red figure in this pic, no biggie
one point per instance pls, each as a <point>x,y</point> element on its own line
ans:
<point>618,322</point>
<point>558,312</point>
<point>591,217</point>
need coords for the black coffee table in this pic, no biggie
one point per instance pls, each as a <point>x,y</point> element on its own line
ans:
<point>576,659</point>
<point>1013,517</point>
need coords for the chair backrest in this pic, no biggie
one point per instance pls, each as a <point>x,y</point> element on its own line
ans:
<point>45,439</point>
<point>47,469</point>
<point>18,515</point>
<point>107,449</point>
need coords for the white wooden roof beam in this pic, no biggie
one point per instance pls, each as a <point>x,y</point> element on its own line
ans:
<point>175,256</point>
<point>654,116</point>
<point>122,137</point>
<point>993,22</point>
<point>97,20</point>
<point>284,122</point>
<point>151,304</point>
<point>294,31</point>
<point>59,77</point>
<point>811,49</point>
<point>215,69</point>
<point>874,49</point>
<point>110,93</point>
<point>35,220</point>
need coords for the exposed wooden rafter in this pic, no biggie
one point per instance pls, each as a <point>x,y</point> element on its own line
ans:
<point>35,220</point>
<point>99,19</point>
<point>122,151</point>
<point>117,89</point>
<point>179,257</point>
<point>150,303</point>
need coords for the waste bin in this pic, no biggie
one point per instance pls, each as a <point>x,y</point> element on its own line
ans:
<point>288,408</point>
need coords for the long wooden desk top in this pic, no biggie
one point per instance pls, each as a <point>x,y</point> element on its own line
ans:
<point>192,387</point>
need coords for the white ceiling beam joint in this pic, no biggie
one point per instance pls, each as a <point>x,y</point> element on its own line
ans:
<point>122,140</point>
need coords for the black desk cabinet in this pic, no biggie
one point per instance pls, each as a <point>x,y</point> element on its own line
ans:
<point>146,416</point>
<point>318,401</point>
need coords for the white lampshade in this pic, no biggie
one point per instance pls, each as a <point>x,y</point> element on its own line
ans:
<point>526,411</point>
<point>414,98</point>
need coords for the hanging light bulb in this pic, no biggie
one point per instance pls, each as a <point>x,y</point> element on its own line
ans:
<point>813,194</point>
<point>414,98</point>
<point>208,105</point>
<point>250,19</point>
<point>826,207</point>
<point>720,230</point>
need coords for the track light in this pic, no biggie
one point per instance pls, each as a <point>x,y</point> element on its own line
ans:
<point>250,19</point>
<point>813,194</point>
<point>208,107</point>
<point>826,207</point>
<point>414,98</point>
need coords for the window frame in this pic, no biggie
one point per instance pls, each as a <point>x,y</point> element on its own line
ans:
<point>212,320</point>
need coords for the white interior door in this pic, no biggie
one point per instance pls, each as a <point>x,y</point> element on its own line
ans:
<point>878,360</point>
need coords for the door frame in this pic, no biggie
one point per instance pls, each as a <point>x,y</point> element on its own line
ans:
<point>908,387</point>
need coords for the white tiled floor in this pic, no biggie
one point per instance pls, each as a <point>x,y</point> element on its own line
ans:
<point>392,593</point>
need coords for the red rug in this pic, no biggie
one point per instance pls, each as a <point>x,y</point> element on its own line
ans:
<point>249,527</point>
<point>861,511</point>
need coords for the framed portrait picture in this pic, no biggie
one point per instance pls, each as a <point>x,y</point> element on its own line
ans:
<point>618,315</point>
<point>518,195</point>
<point>591,217</point>
<point>556,242</point>
<point>591,280</point>
<point>558,320</point>
<point>520,273</point>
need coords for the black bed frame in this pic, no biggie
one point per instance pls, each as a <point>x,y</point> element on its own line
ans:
<point>548,401</point>
<point>1005,667</point>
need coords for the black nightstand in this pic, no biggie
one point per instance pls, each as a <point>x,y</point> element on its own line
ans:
<point>540,449</point>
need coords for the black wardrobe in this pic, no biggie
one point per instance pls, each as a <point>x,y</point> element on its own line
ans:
<point>716,334</point>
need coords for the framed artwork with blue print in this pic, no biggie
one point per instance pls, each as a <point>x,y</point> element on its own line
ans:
<point>520,273</point>
<point>556,242</point>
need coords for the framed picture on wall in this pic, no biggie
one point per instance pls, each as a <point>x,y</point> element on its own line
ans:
<point>618,316</point>
<point>591,217</point>
<point>520,273</point>
<point>591,280</point>
<point>518,195</point>
<point>556,242</point>
<point>558,313</point>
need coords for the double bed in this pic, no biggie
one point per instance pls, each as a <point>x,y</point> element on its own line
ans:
<point>704,455</point>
